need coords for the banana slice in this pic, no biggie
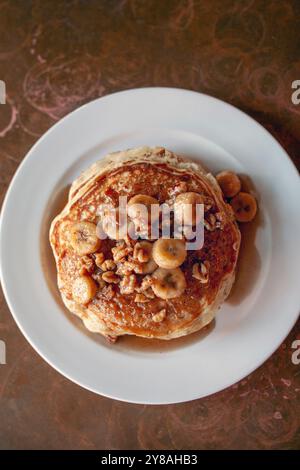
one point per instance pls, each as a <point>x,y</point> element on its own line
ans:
<point>115,224</point>
<point>229,182</point>
<point>146,248</point>
<point>169,253</point>
<point>185,208</point>
<point>139,209</point>
<point>168,283</point>
<point>244,206</point>
<point>83,238</point>
<point>84,289</point>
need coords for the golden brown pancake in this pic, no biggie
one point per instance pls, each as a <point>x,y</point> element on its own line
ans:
<point>111,288</point>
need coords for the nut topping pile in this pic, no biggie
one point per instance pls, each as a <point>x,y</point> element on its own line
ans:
<point>148,267</point>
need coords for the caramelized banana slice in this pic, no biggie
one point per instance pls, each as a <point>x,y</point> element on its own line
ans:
<point>84,289</point>
<point>168,283</point>
<point>185,208</point>
<point>169,253</point>
<point>83,238</point>
<point>143,211</point>
<point>136,212</point>
<point>244,206</point>
<point>229,182</point>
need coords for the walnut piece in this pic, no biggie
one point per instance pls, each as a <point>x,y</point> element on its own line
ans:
<point>149,293</point>
<point>120,252</point>
<point>147,282</point>
<point>135,266</point>
<point>208,203</point>
<point>124,268</point>
<point>140,253</point>
<point>141,298</point>
<point>201,275</point>
<point>98,278</point>
<point>88,265</point>
<point>214,221</point>
<point>160,316</point>
<point>99,259</point>
<point>128,284</point>
<point>210,224</point>
<point>110,277</point>
<point>108,292</point>
<point>108,265</point>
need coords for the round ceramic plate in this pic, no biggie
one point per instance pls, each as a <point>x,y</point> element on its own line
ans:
<point>265,300</point>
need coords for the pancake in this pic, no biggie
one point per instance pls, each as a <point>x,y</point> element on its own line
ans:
<point>147,287</point>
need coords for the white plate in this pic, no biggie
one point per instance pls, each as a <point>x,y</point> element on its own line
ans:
<point>265,302</point>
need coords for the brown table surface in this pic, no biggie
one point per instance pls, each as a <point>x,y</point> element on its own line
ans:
<point>55,56</point>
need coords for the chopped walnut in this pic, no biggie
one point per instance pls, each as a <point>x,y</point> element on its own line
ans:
<point>208,203</point>
<point>108,265</point>
<point>88,265</point>
<point>99,259</point>
<point>128,284</point>
<point>108,292</point>
<point>160,316</point>
<point>149,293</point>
<point>98,278</point>
<point>120,252</point>
<point>140,253</point>
<point>146,283</point>
<point>128,267</point>
<point>210,224</point>
<point>141,298</point>
<point>220,220</point>
<point>124,269</point>
<point>201,275</point>
<point>135,266</point>
<point>110,277</point>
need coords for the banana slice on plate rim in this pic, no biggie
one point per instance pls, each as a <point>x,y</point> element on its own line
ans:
<point>229,182</point>
<point>244,206</point>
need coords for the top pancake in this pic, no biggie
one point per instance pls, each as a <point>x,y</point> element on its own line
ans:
<point>159,173</point>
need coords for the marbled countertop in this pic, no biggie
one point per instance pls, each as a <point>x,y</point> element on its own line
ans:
<point>55,56</point>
